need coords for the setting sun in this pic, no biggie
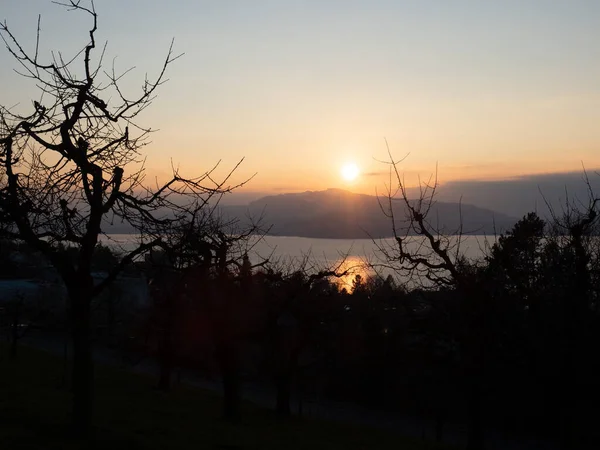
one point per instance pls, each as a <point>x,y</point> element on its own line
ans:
<point>349,171</point>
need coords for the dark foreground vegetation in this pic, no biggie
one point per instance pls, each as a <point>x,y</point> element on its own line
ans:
<point>130,414</point>
<point>508,349</point>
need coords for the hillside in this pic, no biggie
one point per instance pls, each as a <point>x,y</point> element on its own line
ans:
<point>335,213</point>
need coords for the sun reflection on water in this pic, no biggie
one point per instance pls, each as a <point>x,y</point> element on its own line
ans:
<point>352,266</point>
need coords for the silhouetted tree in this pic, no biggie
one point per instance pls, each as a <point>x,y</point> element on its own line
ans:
<point>432,257</point>
<point>574,232</point>
<point>203,270</point>
<point>299,301</point>
<point>228,303</point>
<point>71,166</point>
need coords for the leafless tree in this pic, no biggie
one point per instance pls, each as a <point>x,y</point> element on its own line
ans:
<point>421,252</point>
<point>574,233</point>
<point>72,166</point>
<point>426,256</point>
<point>204,268</point>
<point>293,322</point>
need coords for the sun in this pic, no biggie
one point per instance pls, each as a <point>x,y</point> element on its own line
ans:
<point>350,171</point>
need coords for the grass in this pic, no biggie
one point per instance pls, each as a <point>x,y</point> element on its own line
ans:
<point>129,413</point>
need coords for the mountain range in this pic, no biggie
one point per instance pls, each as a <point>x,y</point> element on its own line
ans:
<point>340,214</point>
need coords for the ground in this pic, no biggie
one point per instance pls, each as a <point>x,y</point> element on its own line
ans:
<point>34,414</point>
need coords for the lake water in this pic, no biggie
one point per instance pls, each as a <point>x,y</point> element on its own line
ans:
<point>321,254</point>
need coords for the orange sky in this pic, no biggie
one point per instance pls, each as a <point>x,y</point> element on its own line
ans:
<point>483,89</point>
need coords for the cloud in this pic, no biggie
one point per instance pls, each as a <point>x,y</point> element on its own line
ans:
<point>519,195</point>
<point>374,174</point>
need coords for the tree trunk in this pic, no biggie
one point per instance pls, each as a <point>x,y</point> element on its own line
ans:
<point>227,360</point>
<point>167,341</point>
<point>64,383</point>
<point>83,366</point>
<point>231,391</point>
<point>284,382</point>
<point>574,306</point>
<point>284,391</point>
<point>14,335</point>
<point>110,318</point>
<point>166,362</point>
<point>474,348</point>
<point>475,435</point>
<point>13,344</point>
<point>568,390</point>
<point>439,425</point>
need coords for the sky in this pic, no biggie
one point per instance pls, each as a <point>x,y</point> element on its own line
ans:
<point>485,90</point>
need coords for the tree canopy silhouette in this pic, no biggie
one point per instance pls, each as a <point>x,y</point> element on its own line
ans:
<point>71,165</point>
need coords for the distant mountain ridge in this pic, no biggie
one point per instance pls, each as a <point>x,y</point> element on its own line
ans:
<point>340,214</point>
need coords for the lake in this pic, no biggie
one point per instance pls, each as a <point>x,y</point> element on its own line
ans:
<point>321,254</point>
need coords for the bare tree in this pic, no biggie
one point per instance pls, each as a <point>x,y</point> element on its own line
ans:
<point>427,256</point>
<point>293,322</point>
<point>72,166</point>
<point>204,268</point>
<point>574,234</point>
<point>229,305</point>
